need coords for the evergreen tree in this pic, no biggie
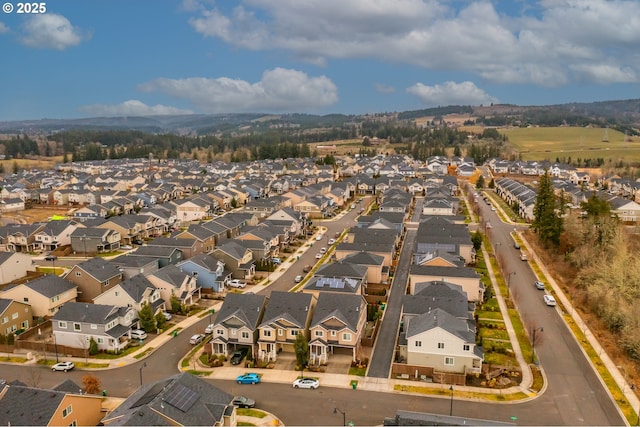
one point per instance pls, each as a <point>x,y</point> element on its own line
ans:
<point>16,168</point>
<point>480,182</point>
<point>147,320</point>
<point>547,222</point>
<point>301,348</point>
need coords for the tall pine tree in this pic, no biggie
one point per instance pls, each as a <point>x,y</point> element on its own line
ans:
<point>547,222</point>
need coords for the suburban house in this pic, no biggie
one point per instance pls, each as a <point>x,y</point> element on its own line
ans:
<point>237,323</point>
<point>377,272</point>
<point>188,246</point>
<point>237,258</point>
<point>134,293</point>
<point>193,209</point>
<point>336,327</point>
<point>208,271</point>
<point>134,265</point>
<point>14,265</point>
<point>442,341</point>
<point>92,240</point>
<point>206,237</point>
<point>180,400</point>
<point>21,405</point>
<point>171,281</point>
<point>46,294</point>
<point>165,255</point>
<point>76,323</point>
<point>14,316</point>
<point>55,234</point>
<point>11,205</point>
<point>421,275</point>
<point>287,315</point>
<point>93,277</point>
<point>20,237</point>
<point>437,232</point>
<point>338,277</point>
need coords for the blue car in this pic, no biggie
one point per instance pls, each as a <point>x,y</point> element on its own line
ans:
<point>248,378</point>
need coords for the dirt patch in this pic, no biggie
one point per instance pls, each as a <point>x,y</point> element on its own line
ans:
<point>38,213</point>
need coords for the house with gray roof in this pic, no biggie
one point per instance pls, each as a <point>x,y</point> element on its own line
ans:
<point>180,400</point>
<point>55,234</point>
<point>237,322</point>
<point>92,240</point>
<point>134,292</point>
<point>286,315</point>
<point>172,281</point>
<point>438,232</point>
<point>93,277</point>
<point>377,272</point>
<point>46,294</point>
<point>165,255</point>
<point>466,277</point>
<point>338,277</point>
<point>189,246</point>
<point>238,259</point>
<point>134,265</point>
<point>337,326</point>
<point>14,265</point>
<point>76,323</point>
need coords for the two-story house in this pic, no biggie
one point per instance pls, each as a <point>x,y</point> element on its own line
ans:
<point>92,240</point>
<point>208,271</point>
<point>237,323</point>
<point>287,315</point>
<point>14,265</point>
<point>336,327</point>
<point>76,323</point>
<point>134,293</point>
<point>93,277</point>
<point>14,316</point>
<point>237,258</point>
<point>172,281</point>
<point>46,294</point>
<point>55,234</point>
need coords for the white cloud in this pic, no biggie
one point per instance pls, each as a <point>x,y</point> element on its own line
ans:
<point>3,28</point>
<point>51,31</point>
<point>547,43</point>
<point>132,107</point>
<point>279,90</point>
<point>451,93</point>
<point>383,88</point>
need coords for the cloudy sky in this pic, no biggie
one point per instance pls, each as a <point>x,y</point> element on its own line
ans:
<point>123,57</point>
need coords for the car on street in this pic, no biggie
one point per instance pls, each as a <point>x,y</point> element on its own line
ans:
<point>311,383</point>
<point>209,329</point>
<point>196,339</point>
<point>523,256</point>
<point>138,334</point>
<point>319,237</point>
<point>243,402</point>
<point>126,247</point>
<point>319,255</point>
<point>516,245</point>
<point>238,284</point>
<point>239,355</point>
<point>549,300</point>
<point>323,250</point>
<point>307,268</point>
<point>493,208</point>
<point>50,258</point>
<point>489,225</point>
<point>248,378</point>
<point>63,366</point>
<point>539,285</point>
<point>332,241</point>
<point>298,279</point>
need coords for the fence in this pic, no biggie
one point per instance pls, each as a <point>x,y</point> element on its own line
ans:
<point>403,371</point>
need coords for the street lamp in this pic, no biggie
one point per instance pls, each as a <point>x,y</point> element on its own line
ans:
<point>451,405</point>
<point>533,342</point>
<point>344,415</point>
<point>144,365</point>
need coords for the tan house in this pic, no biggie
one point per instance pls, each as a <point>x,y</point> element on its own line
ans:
<point>377,272</point>
<point>22,405</point>
<point>237,323</point>
<point>14,265</point>
<point>336,327</point>
<point>287,315</point>
<point>93,277</point>
<point>45,294</point>
<point>420,276</point>
<point>172,281</point>
<point>14,316</point>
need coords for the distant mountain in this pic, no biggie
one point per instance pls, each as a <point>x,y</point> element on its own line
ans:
<point>622,112</point>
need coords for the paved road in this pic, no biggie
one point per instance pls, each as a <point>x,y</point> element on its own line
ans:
<point>575,394</point>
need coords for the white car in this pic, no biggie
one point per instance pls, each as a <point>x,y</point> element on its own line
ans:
<point>126,247</point>
<point>549,300</point>
<point>238,284</point>
<point>166,315</point>
<point>319,237</point>
<point>63,366</point>
<point>311,383</point>
<point>298,278</point>
<point>138,334</point>
<point>319,255</point>
<point>209,329</point>
<point>323,250</point>
<point>332,241</point>
<point>196,339</point>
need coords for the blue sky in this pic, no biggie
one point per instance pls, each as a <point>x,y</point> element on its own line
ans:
<point>145,57</point>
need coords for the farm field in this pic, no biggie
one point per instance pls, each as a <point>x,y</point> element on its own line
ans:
<point>549,143</point>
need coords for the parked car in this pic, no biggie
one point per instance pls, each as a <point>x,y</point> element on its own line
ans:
<point>243,402</point>
<point>323,250</point>
<point>126,247</point>
<point>311,383</point>
<point>166,315</point>
<point>516,245</point>
<point>332,241</point>
<point>319,255</point>
<point>209,329</point>
<point>63,366</point>
<point>319,237</point>
<point>523,256</point>
<point>138,334</point>
<point>50,258</point>
<point>248,378</point>
<point>238,284</point>
<point>539,285</point>
<point>307,268</point>
<point>549,300</point>
<point>196,339</point>
<point>298,279</point>
<point>239,355</point>
<point>493,208</point>
<point>276,261</point>
<point>138,241</point>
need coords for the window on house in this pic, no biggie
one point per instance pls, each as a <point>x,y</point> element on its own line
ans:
<point>94,326</point>
<point>279,332</point>
<point>346,336</point>
<point>319,333</point>
<point>117,293</point>
<point>76,326</point>
<point>449,361</point>
<point>234,331</point>
<point>418,343</point>
<point>294,332</point>
<point>78,274</point>
<point>5,319</point>
<point>440,345</point>
<point>25,324</point>
<point>66,411</point>
<point>25,299</point>
<point>245,335</point>
<point>100,340</point>
<point>14,315</point>
<point>267,333</point>
<point>333,333</point>
<point>466,347</point>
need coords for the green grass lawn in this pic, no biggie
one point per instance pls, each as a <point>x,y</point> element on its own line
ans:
<point>547,143</point>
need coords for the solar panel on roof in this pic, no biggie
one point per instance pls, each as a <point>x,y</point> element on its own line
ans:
<point>181,397</point>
